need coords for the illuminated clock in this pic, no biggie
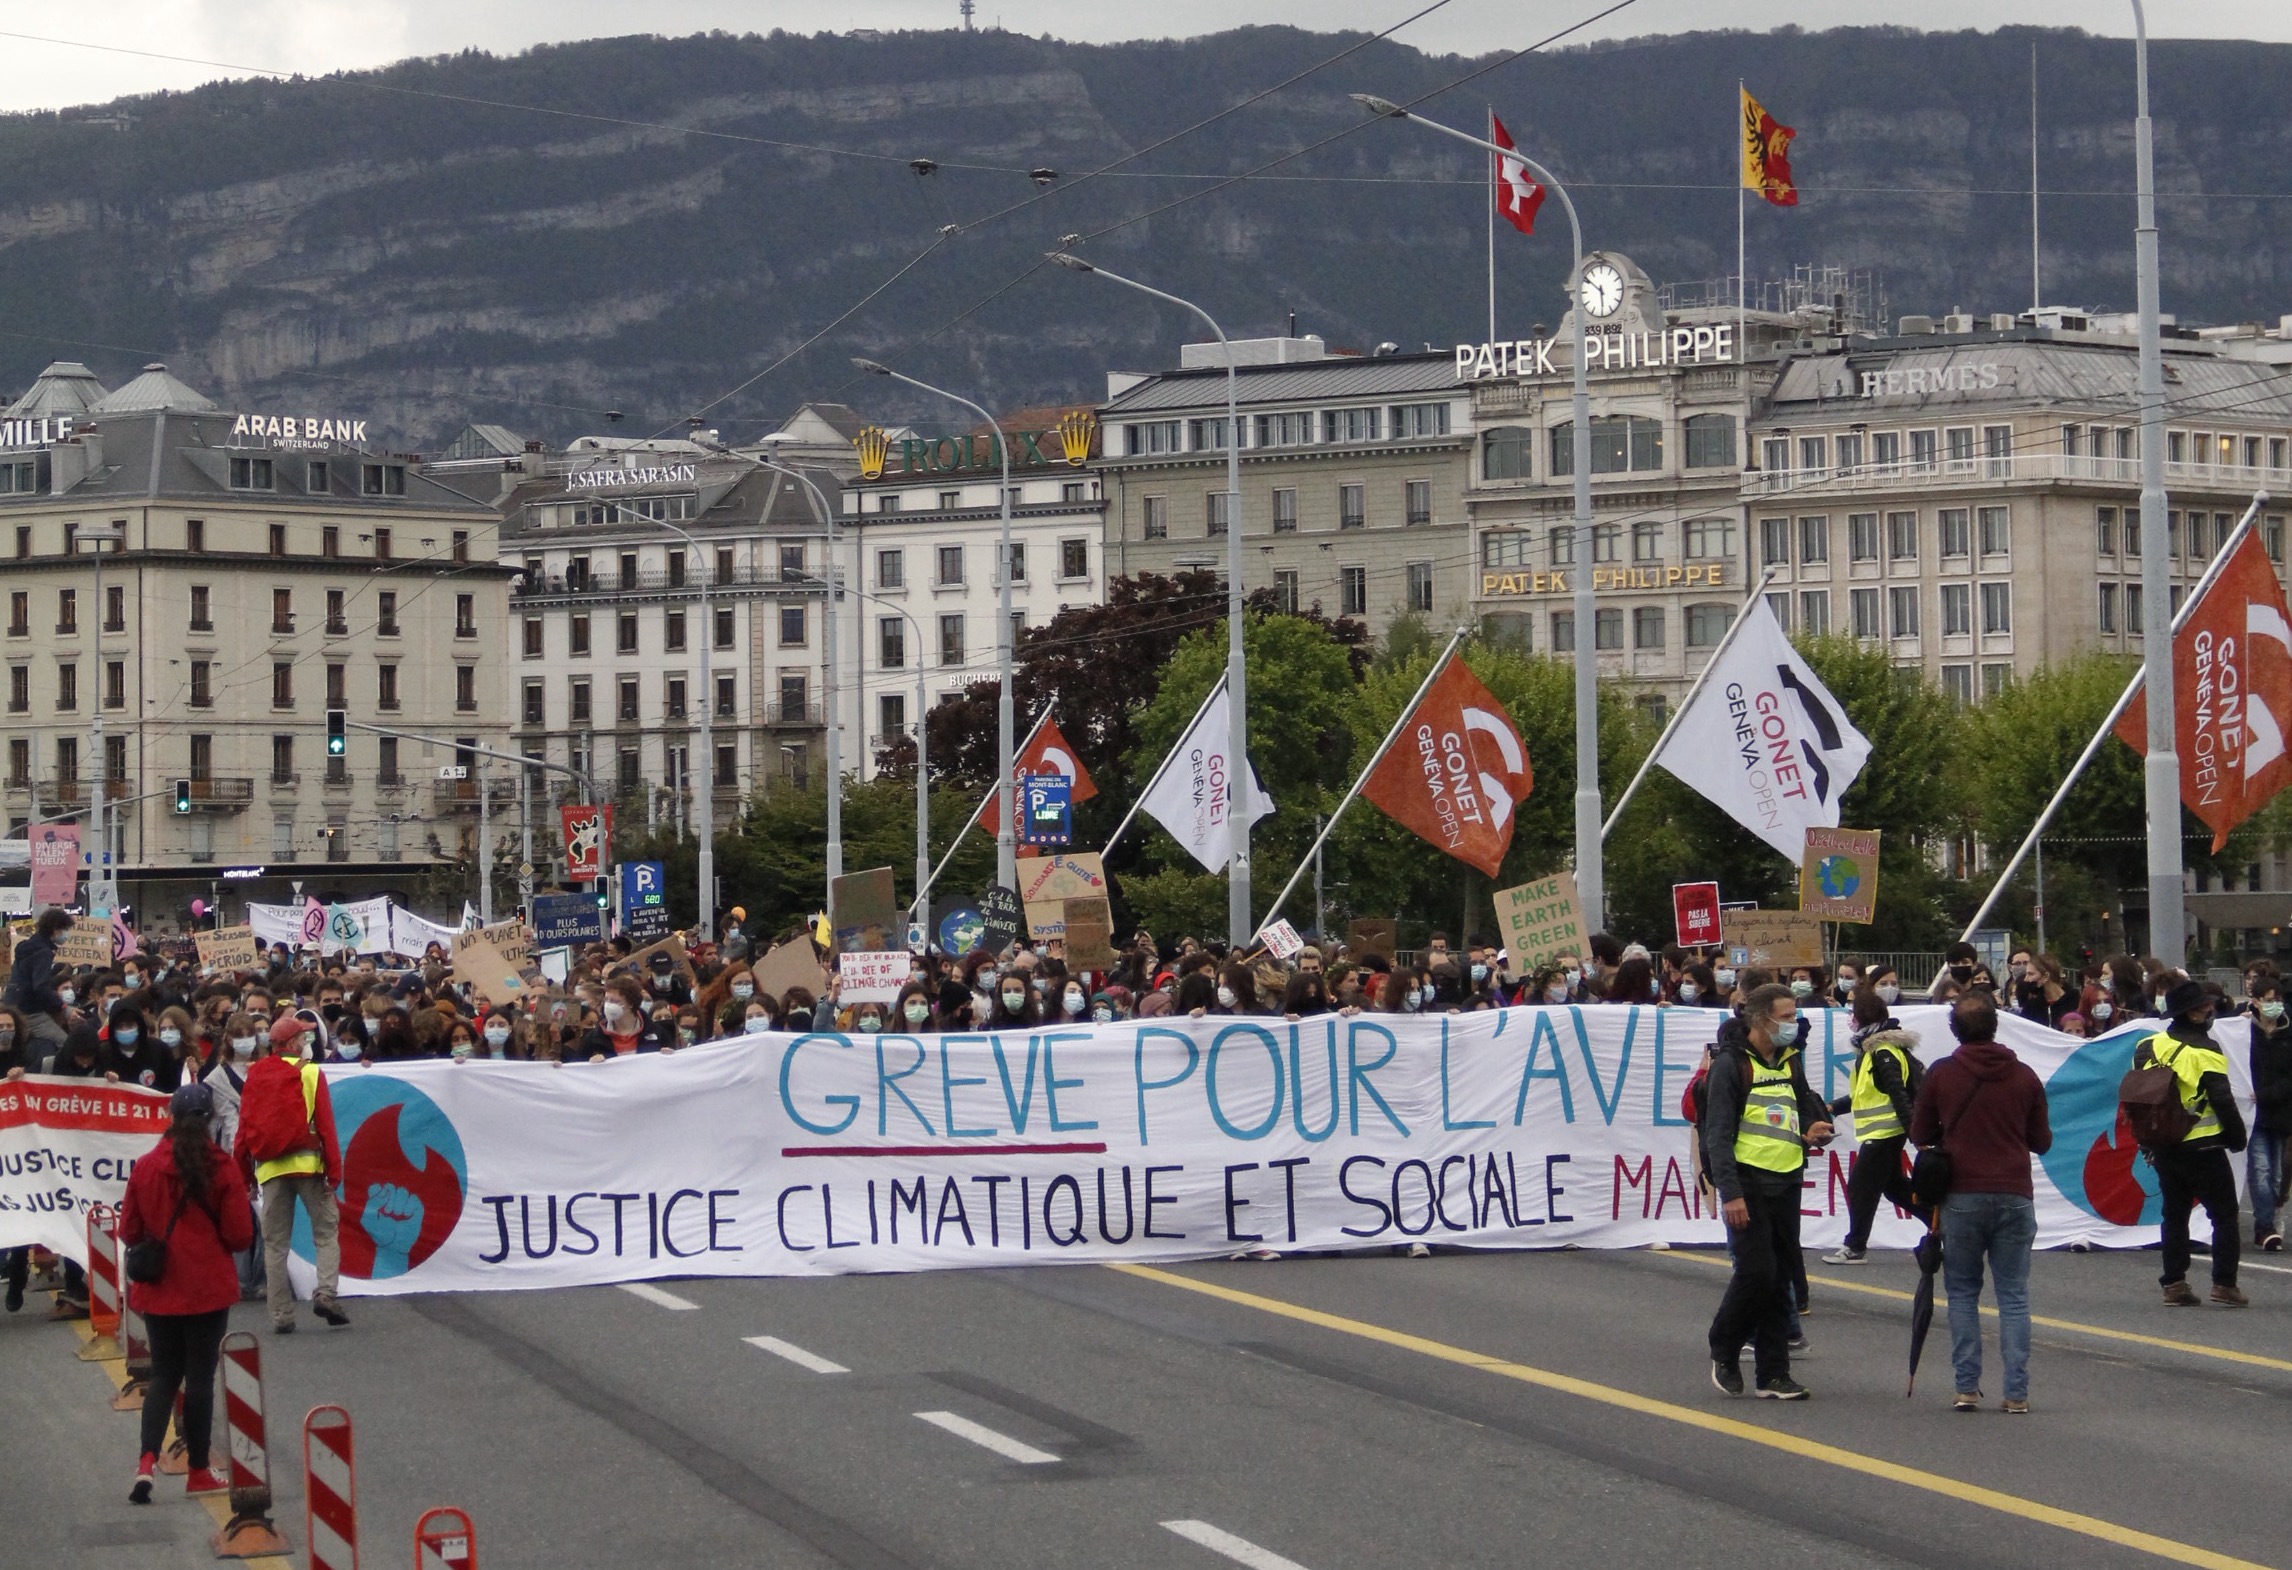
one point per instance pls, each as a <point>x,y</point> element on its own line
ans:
<point>1602,290</point>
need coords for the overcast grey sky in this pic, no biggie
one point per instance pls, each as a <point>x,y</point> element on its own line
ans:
<point>326,35</point>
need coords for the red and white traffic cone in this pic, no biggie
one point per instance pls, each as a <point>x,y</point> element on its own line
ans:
<point>250,1531</point>
<point>444,1539</point>
<point>103,1285</point>
<point>330,1490</point>
<point>138,1339</point>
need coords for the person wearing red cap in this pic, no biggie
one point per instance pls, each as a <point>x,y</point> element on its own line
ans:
<point>187,1197</point>
<point>287,1140</point>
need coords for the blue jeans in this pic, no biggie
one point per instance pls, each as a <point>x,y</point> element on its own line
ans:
<point>2003,1227</point>
<point>2263,1175</point>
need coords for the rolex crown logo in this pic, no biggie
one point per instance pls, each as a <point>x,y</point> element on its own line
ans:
<point>873,447</point>
<point>1075,429</point>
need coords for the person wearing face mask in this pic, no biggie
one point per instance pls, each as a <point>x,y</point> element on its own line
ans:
<point>461,1041</point>
<point>867,1018</point>
<point>1305,996</point>
<point>1723,980</point>
<point>287,1139</point>
<point>136,1057</point>
<point>621,1028</point>
<point>799,1010</point>
<point>1806,984</point>
<point>2196,1171</point>
<point>1959,964</point>
<point>1550,988</point>
<point>1843,984</point>
<point>1760,1118</point>
<point>1697,989</point>
<point>2271,1060</point>
<point>1883,983</point>
<point>35,982</point>
<point>1880,1095</point>
<point>242,1043</point>
<point>1015,1005</point>
<point>497,1033</point>
<point>911,1011</point>
<point>1073,1001</point>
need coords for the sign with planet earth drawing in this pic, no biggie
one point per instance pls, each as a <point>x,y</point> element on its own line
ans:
<point>1838,876</point>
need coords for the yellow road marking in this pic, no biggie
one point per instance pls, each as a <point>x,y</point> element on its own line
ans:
<point>1751,1433</point>
<point>2166,1343</point>
<point>218,1506</point>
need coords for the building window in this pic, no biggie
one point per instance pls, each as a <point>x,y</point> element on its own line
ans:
<point>1814,613</point>
<point>723,564</point>
<point>115,684</point>
<point>67,685</point>
<point>792,563</point>
<point>282,612</point>
<point>194,538</point>
<point>1563,632</point>
<point>67,610</point>
<point>382,479</point>
<point>282,837</point>
<point>1647,542</point>
<point>888,501</point>
<point>1774,542</point>
<point>629,574</point>
<point>891,569</point>
<point>1862,608</point>
<point>1018,561</point>
<point>1561,545</point>
<point>1607,543</point>
<point>950,566</point>
<point>1995,679</point>
<point>577,634</point>
<point>1509,549</point>
<point>330,541</point>
<point>795,697</point>
<point>1710,539</point>
<point>1707,624</point>
<point>1862,536</point>
<point>577,701</point>
<point>1352,506</point>
<point>536,704</point>
<point>465,616</point>
<point>1351,425</point>
<point>1420,586</point>
<point>1216,513</point>
<point>1814,540</point>
<point>533,637</point>
<point>2108,607</point>
<point>202,610</point>
<point>251,474</point>
<point>1958,684</point>
<point>1780,605</point>
<point>1710,441</point>
<point>459,547</point>
<point>338,620</point>
<point>625,633</point>
<point>1814,454</point>
<point>1506,453</point>
<point>1157,516</point>
<point>1775,454</point>
<point>1647,627</point>
<point>1294,429</point>
<point>891,642</point>
<point>951,640</point>
<point>386,614</point>
<point>1285,509</point>
<point>1073,559</point>
<point>1950,524</point>
<point>1146,437</point>
<point>1620,444</point>
<point>1997,607</point>
<point>282,684</point>
<point>672,631</point>
<point>386,685</point>
<point>1997,530</point>
<point>1997,451</point>
<point>1957,610</point>
<point>1417,498</point>
<point>890,718</point>
<point>1608,630</point>
<point>2133,627</point>
<point>20,613</point>
<point>1846,447</point>
<point>792,626</point>
<point>1902,610</point>
<point>337,686</point>
<point>381,544</point>
<point>1285,590</point>
<point>2272,536</point>
<point>202,684</point>
<point>20,686</point>
<point>1353,590</point>
<point>114,608</point>
<point>727,766</point>
<point>1209,435</point>
<point>1902,536</point>
<point>1424,419</point>
<point>1923,450</point>
<point>337,837</point>
<point>626,690</point>
<point>19,762</point>
<point>282,758</point>
<point>465,688</point>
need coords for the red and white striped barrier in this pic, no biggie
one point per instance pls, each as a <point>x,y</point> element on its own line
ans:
<point>138,1340</point>
<point>103,1285</point>
<point>444,1539</point>
<point>330,1490</point>
<point>249,1532</point>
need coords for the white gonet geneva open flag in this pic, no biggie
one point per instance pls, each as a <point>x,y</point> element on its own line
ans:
<point>1190,796</point>
<point>1766,741</point>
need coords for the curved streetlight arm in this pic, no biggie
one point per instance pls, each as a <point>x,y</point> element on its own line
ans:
<point>1392,111</point>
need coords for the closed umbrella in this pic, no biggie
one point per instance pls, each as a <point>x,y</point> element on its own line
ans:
<point>1929,1255</point>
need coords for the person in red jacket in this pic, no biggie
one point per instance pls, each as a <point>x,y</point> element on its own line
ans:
<point>287,1140</point>
<point>188,1195</point>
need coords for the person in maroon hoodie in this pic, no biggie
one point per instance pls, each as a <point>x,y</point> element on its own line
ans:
<point>189,1196</point>
<point>1987,1108</point>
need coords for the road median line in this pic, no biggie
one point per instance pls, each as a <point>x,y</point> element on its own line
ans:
<point>1773,1439</point>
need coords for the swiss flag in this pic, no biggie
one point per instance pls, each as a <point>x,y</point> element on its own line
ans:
<point>1045,752</point>
<point>1455,770</point>
<point>1517,196</point>
<point>2232,686</point>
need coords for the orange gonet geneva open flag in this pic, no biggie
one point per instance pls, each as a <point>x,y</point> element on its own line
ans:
<point>1455,771</point>
<point>1766,155</point>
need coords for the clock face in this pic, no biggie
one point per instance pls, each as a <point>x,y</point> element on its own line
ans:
<point>1603,290</point>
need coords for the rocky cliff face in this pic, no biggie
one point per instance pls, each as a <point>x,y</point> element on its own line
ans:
<point>473,238</point>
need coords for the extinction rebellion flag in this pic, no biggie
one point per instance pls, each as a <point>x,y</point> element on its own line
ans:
<point>1766,154</point>
<point>2232,688</point>
<point>1765,741</point>
<point>1455,770</point>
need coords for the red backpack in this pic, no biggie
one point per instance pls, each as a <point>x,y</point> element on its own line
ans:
<point>275,1120</point>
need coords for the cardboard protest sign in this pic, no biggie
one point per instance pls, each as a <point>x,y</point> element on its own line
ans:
<point>868,917</point>
<point>1088,926</point>
<point>1281,938</point>
<point>1046,883</point>
<point>872,975</point>
<point>485,968</point>
<point>673,947</point>
<point>1778,938</point>
<point>86,942</point>
<point>515,943</point>
<point>999,908</point>
<point>793,964</point>
<point>1539,920</point>
<point>1372,936</point>
<point>230,948</point>
<point>1838,876</point>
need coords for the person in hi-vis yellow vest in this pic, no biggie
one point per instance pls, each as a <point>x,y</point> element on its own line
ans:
<point>1879,1096</point>
<point>2197,1171</point>
<point>287,1142</point>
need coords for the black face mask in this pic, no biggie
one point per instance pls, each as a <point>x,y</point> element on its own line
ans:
<point>1961,973</point>
<point>330,1012</point>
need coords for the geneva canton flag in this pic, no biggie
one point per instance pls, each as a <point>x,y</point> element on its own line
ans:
<point>1765,741</point>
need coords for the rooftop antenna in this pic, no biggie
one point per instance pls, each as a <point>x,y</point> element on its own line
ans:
<point>967,8</point>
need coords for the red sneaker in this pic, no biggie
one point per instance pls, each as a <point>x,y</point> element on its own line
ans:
<point>202,1481</point>
<point>140,1493</point>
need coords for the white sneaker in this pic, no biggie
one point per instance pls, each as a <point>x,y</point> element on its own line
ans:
<point>1846,1256</point>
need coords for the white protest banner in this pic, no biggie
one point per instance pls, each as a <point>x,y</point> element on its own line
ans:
<point>275,924</point>
<point>412,934</point>
<point>873,975</point>
<point>1166,1139</point>
<point>67,1144</point>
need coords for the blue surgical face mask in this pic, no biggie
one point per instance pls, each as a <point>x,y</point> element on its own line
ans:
<point>1786,1032</point>
<point>1689,992</point>
<point>1479,974</point>
<point>127,1035</point>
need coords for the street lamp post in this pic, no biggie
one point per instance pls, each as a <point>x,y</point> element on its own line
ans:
<point>826,518</point>
<point>103,886</point>
<point>922,750</point>
<point>1240,924</point>
<point>1006,842</point>
<point>2161,767</point>
<point>1590,880</point>
<point>707,793</point>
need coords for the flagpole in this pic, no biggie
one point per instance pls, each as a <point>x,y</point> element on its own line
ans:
<point>1687,702</point>
<point>992,792</point>
<point>1742,315</point>
<point>1164,768</point>
<point>2124,701</point>
<point>1378,757</point>
<point>1495,173</point>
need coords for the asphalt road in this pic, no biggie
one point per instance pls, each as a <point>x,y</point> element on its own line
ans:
<point>1335,1414</point>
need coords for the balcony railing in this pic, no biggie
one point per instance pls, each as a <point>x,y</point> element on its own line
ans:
<point>222,790</point>
<point>2027,468</point>
<point>54,792</point>
<point>809,713</point>
<point>656,580</point>
<point>462,795</point>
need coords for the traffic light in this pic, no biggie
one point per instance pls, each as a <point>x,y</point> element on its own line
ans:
<point>336,743</point>
<point>183,796</point>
